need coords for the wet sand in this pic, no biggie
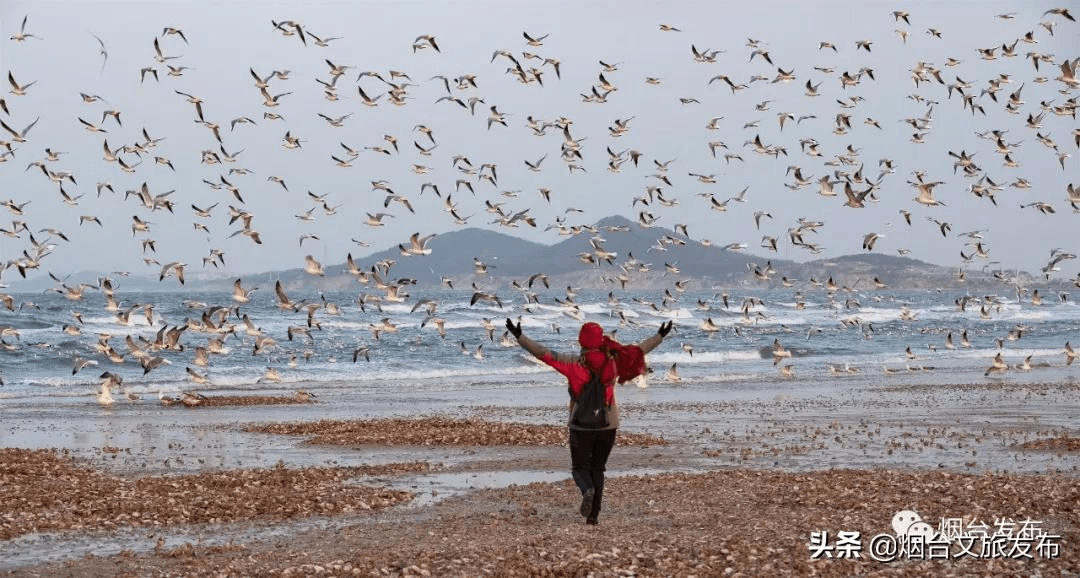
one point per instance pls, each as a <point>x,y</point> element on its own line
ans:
<point>695,488</point>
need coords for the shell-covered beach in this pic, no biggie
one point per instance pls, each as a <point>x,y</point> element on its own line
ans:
<point>696,488</point>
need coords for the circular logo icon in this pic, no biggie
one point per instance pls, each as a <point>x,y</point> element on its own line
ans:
<point>903,520</point>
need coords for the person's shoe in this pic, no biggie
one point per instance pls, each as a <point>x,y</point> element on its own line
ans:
<point>591,521</point>
<point>586,502</point>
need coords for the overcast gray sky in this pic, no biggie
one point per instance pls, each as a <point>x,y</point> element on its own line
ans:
<point>224,40</point>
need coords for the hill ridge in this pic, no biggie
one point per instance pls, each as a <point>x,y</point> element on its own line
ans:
<point>645,257</point>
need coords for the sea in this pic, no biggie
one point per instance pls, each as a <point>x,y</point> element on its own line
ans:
<point>722,344</point>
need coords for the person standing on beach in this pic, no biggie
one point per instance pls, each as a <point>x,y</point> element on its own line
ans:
<point>603,358</point>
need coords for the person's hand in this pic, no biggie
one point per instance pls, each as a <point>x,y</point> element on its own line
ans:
<point>514,330</point>
<point>665,328</point>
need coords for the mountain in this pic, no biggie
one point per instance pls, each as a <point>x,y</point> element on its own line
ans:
<point>644,258</point>
<point>860,271</point>
<point>570,261</point>
<point>452,255</point>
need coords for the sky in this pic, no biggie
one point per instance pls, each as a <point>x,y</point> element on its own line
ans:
<point>223,41</point>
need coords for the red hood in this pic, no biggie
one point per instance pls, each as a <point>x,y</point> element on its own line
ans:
<point>591,336</point>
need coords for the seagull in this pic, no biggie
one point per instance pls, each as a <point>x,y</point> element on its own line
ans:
<point>361,350</point>
<point>102,51</point>
<point>926,194</point>
<point>81,363</point>
<point>484,296</point>
<point>298,330</point>
<point>19,136</point>
<point>159,56</point>
<point>1063,12</point>
<point>376,219</point>
<point>998,365</point>
<point>105,397</point>
<point>1042,207</point>
<point>417,245</point>
<point>779,352</point>
<point>22,34</point>
<point>174,268</point>
<point>91,127</point>
<point>855,199</point>
<point>202,357</point>
<point>531,41</point>
<point>187,399</point>
<point>291,142</point>
<point>278,180</point>
<point>151,363</point>
<point>174,31</point>
<point>313,267</point>
<point>478,354</point>
<point>428,39</point>
<point>368,101</point>
<point>241,295</point>
<point>283,301</point>
<point>204,213</point>
<point>335,121</point>
<point>535,167</point>
<point>323,42</point>
<point>199,378</point>
<point>271,101</point>
<point>496,117</point>
<point>383,326</point>
<point>944,226</point>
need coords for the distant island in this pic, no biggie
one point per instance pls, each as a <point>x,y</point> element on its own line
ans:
<point>624,254</point>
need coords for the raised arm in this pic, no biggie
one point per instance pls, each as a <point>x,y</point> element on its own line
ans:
<point>657,338</point>
<point>556,360</point>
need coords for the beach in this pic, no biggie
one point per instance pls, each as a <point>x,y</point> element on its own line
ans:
<point>763,482</point>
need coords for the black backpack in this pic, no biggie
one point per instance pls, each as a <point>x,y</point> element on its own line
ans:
<point>590,410</point>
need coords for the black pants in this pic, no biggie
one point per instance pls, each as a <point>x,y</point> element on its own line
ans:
<point>589,451</point>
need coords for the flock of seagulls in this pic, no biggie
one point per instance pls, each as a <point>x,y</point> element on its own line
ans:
<point>843,172</point>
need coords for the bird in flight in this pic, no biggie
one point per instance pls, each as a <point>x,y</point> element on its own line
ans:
<point>22,34</point>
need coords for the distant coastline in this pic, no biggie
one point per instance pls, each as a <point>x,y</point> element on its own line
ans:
<point>514,259</point>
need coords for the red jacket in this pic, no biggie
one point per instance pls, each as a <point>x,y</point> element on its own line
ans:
<point>577,375</point>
